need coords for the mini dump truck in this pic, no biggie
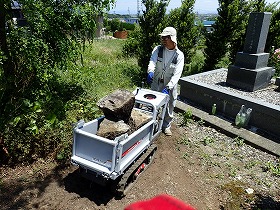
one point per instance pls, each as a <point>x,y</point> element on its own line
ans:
<point>119,161</point>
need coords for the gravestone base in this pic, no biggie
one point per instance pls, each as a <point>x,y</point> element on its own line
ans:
<point>251,61</point>
<point>249,79</point>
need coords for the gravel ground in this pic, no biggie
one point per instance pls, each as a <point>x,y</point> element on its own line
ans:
<point>218,78</point>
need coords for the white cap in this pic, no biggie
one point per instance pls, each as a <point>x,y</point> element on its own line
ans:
<point>170,31</point>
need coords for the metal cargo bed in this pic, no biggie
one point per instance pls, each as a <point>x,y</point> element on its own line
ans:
<point>106,157</point>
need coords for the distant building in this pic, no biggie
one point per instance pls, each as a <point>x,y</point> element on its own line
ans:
<point>17,14</point>
<point>132,20</point>
<point>208,25</point>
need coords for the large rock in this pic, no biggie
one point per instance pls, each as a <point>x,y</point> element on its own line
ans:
<point>111,129</point>
<point>118,105</point>
<point>138,119</point>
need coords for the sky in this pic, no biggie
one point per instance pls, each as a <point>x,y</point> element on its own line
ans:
<point>201,6</point>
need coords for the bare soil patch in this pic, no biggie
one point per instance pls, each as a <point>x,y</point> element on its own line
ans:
<point>198,165</point>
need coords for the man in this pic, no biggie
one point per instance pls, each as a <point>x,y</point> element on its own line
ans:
<point>164,71</point>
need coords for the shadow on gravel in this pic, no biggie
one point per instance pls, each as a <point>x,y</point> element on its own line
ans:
<point>75,183</point>
<point>266,202</point>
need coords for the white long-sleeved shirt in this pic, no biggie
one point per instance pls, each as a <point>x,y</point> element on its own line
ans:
<point>167,55</point>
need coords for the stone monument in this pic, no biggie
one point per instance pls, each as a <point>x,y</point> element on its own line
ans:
<point>250,71</point>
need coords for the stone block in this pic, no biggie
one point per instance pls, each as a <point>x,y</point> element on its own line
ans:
<point>251,61</point>
<point>138,119</point>
<point>118,105</point>
<point>257,31</point>
<point>249,79</point>
<point>111,129</point>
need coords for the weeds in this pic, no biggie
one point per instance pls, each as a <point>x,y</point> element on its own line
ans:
<point>232,170</point>
<point>184,141</point>
<point>201,122</point>
<point>187,117</point>
<point>239,141</point>
<point>273,168</point>
<point>185,155</point>
<point>251,164</point>
<point>208,140</point>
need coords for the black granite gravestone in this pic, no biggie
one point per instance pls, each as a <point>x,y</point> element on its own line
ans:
<point>250,71</point>
<point>277,81</point>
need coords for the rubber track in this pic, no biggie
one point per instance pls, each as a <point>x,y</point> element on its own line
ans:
<point>123,187</point>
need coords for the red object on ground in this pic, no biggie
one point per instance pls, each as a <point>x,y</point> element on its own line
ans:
<point>160,202</point>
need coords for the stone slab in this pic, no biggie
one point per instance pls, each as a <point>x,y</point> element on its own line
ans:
<point>226,127</point>
<point>277,81</point>
<point>251,61</point>
<point>249,79</point>
<point>257,31</point>
<point>265,116</point>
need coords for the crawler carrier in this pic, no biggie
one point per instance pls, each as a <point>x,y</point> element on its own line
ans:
<point>120,161</point>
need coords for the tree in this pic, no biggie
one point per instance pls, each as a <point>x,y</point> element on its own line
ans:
<point>273,38</point>
<point>54,29</point>
<point>230,29</point>
<point>151,26</point>
<point>239,11</point>
<point>30,88</point>
<point>183,19</point>
<point>216,42</point>
<point>153,21</point>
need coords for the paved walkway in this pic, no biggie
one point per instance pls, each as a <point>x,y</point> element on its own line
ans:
<point>226,127</point>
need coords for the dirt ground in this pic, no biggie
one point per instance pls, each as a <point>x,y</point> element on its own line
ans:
<point>198,165</point>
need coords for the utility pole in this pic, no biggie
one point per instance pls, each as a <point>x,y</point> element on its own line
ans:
<point>138,7</point>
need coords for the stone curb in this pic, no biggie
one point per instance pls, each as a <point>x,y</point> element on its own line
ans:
<point>227,128</point>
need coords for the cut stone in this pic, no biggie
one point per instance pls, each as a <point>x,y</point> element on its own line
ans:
<point>248,79</point>
<point>257,31</point>
<point>251,61</point>
<point>250,71</point>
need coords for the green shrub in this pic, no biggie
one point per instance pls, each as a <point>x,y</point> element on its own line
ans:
<point>41,123</point>
<point>196,65</point>
<point>132,46</point>
<point>275,61</point>
<point>129,26</point>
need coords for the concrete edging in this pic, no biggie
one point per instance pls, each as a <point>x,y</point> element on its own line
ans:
<point>265,116</point>
<point>227,128</point>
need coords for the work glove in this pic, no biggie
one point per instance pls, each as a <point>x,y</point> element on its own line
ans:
<point>165,90</point>
<point>150,77</point>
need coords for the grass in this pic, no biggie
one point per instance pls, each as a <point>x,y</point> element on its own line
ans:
<point>274,168</point>
<point>103,69</point>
